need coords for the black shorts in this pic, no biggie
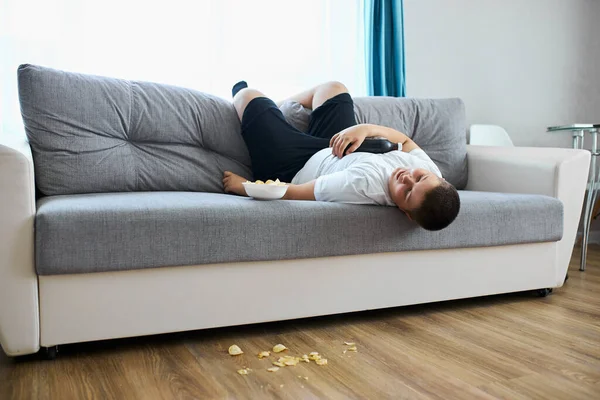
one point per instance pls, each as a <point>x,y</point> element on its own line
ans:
<point>277,149</point>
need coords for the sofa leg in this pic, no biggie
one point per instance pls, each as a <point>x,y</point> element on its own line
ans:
<point>51,352</point>
<point>544,292</point>
<point>566,278</point>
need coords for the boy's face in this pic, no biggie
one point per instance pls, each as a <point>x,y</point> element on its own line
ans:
<point>409,186</point>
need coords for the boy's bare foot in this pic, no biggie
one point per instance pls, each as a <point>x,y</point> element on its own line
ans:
<point>233,183</point>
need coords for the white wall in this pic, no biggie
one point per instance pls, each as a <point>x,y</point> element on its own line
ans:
<point>521,64</point>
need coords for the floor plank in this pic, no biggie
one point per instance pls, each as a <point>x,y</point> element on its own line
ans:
<point>514,346</point>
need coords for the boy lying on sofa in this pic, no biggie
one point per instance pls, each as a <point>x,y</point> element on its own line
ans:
<point>322,164</point>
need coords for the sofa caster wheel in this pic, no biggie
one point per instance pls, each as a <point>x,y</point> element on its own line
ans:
<point>51,352</point>
<point>544,292</point>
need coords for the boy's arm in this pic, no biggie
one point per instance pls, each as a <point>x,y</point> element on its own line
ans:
<point>350,139</point>
<point>305,191</point>
<point>351,186</point>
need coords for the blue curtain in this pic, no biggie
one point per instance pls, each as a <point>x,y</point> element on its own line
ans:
<point>384,39</point>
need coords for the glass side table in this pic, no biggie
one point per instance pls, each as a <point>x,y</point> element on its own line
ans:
<point>578,132</point>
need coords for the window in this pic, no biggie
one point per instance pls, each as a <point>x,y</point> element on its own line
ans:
<point>279,46</point>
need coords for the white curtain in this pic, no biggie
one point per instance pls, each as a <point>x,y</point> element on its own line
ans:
<point>278,46</point>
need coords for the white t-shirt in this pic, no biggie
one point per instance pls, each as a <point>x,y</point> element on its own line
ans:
<point>359,178</point>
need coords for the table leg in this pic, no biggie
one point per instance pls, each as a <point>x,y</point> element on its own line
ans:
<point>589,202</point>
<point>580,139</point>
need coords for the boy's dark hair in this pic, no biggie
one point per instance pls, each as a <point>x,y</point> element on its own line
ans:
<point>439,208</point>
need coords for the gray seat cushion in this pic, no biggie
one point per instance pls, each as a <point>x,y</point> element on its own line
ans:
<point>121,231</point>
<point>438,126</point>
<point>94,134</point>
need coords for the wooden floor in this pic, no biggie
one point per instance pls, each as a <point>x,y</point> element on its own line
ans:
<point>512,346</point>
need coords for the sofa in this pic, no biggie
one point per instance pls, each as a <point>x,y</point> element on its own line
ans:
<point>113,220</point>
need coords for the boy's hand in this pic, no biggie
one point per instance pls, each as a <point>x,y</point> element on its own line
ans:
<point>232,183</point>
<point>353,137</point>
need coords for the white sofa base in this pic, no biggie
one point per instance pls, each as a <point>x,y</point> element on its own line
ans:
<point>86,307</point>
<point>19,312</point>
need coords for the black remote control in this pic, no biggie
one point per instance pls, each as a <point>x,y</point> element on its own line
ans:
<point>376,146</point>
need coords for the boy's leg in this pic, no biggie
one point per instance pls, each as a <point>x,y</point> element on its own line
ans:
<point>333,110</point>
<point>277,149</point>
<point>327,91</point>
<point>316,96</point>
<point>243,98</point>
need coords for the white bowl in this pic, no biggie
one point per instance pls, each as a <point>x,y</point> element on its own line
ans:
<point>264,191</point>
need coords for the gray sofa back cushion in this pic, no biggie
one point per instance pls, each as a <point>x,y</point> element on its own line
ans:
<point>438,126</point>
<point>97,134</point>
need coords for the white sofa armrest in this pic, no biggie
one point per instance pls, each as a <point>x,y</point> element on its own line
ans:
<point>19,309</point>
<point>559,173</point>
